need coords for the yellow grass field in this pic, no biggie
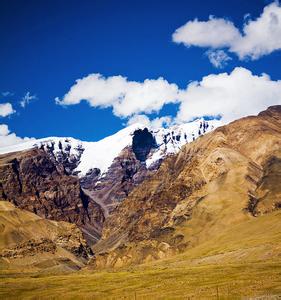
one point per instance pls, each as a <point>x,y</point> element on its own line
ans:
<point>243,262</point>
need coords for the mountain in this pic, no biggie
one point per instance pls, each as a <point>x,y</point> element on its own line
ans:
<point>201,223</point>
<point>34,181</point>
<point>65,179</point>
<point>80,158</point>
<point>227,177</point>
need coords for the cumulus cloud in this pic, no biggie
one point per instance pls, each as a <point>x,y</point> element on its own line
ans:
<point>234,95</point>
<point>125,97</point>
<point>215,33</point>
<point>6,109</point>
<point>154,123</point>
<point>231,96</point>
<point>218,58</point>
<point>9,139</point>
<point>258,37</point>
<point>26,99</point>
<point>261,36</point>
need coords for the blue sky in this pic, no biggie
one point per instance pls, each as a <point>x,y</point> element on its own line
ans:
<point>47,45</point>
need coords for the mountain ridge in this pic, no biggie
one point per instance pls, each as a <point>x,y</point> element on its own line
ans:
<point>222,178</point>
<point>139,213</point>
<point>122,139</point>
<point>128,157</point>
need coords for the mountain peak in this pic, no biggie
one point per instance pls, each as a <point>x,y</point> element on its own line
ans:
<point>83,156</point>
<point>274,110</point>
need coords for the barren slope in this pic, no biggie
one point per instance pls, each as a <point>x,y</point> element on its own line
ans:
<point>28,242</point>
<point>227,177</point>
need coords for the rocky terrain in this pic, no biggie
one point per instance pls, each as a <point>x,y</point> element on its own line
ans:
<point>83,182</point>
<point>33,181</point>
<point>126,171</point>
<point>223,178</point>
<point>150,202</point>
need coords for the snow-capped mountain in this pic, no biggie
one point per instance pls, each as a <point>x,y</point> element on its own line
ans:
<point>170,140</point>
<point>79,157</point>
<point>92,178</point>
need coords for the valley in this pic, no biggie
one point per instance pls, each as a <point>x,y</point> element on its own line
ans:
<point>244,261</point>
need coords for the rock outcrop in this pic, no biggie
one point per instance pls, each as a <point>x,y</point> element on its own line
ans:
<point>125,173</point>
<point>143,142</point>
<point>34,181</point>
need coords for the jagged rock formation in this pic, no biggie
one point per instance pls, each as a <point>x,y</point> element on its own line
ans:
<point>64,154</point>
<point>223,178</point>
<point>34,181</point>
<point>28,241</point>
<point>125,173</point>
<point>143,142</point>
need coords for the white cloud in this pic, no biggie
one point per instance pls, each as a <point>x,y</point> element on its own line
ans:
<point>26,99</point>
<point>125,97</point>
<point>154,123</point>
<point>218,58</point>
<point>139,119</point>
<point>4,130</point>
<point>6,109</point>
<point>232,96</point>
<point>214,33</point>
<point>258,37</point>
<point>161,122</point>
<point>261,36</point>
<point>9,139</point>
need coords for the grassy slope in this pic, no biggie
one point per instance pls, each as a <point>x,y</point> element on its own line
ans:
<point>231,281</point>
<point>245,260</point>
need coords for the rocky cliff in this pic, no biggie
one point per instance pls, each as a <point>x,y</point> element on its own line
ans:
<point>223,178</point>
<point>138,161</point>
<point>34,181</point>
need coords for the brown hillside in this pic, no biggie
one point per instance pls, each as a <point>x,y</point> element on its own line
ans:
<point>28,242</point>
<point>224,178</point>
<point>34,181</point>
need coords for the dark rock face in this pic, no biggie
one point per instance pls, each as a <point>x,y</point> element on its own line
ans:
<point>91,177</point>
<point>34,181</point>
<point>265,198</point>
<point>124,174</point>
<point>272,112</point>
<point>143,142</point>
<point>68,161</point>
